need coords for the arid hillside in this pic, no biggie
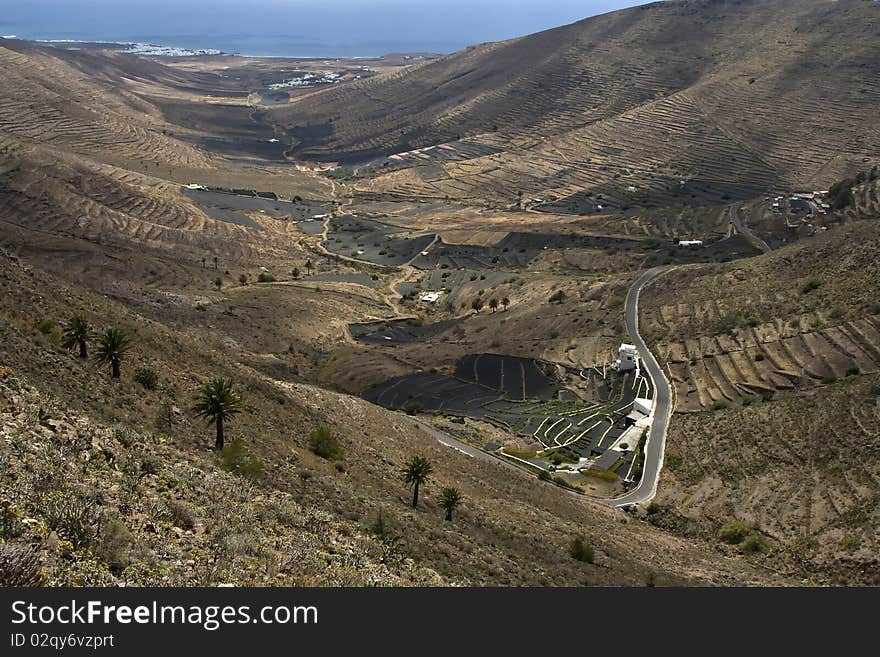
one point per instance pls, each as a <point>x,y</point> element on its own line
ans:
<point>683,102</point>
<point>775,362</point>
<point>178,513</point>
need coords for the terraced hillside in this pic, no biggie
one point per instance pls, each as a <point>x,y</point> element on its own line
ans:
<point>143,464</point>
<point>775,362</point>
<point>689,101</point>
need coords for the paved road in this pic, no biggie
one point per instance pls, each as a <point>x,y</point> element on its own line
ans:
<point>740,228</point>
<point>656,443</point>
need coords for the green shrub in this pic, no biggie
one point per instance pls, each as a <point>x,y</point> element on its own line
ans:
<point>720,405</point>
<point>181,515</point>
<point>557,297</point>
<point>581,551</point>
<point>853,371</point>
<point>236,457</point>
<point>753,543</point>
<point>735,532</point>
<point>811,285</point>
<point>324,444</point>
<point>147,377</point>
<point>47,327</point>
<point>151,465</point>
<point>543,475</point>
<point>20,565</point>
<point>265,278</point>
<point>75,519</point>
<point>115,546</point>
<point>759,357</point>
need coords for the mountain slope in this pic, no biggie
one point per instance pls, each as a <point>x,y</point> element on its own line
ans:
<point>733,96</point>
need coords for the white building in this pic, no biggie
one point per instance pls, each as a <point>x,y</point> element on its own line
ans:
<point>690,243</point>
<point>430,297</point>
<point>628,358</point>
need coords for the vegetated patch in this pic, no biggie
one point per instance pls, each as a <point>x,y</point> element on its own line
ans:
<point>324,444</point>
<point>237,458</point>
<point>580,550</point>
<point>809,286</point>
<point>745,535</point>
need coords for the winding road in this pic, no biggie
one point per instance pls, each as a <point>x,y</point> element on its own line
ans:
<point>662,410</point>
<point>747,232</point>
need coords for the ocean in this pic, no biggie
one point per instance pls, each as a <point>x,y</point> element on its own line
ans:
<point>293,28</point>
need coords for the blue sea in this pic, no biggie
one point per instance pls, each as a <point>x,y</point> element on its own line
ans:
<point>294,28</point>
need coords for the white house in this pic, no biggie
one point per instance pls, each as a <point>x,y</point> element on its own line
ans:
<point>643,405</point>
<point>628,358</point>
<point>430,297</point>
<point>690,243</point>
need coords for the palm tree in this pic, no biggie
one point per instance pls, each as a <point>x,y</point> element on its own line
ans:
<point>505,302</point>
<point>449,499</point>
<point>112,346</point>
<point>309,267</point>
<point>218,282</point>
<point>217,403</point>
<point>416,473</point>
<point>76,334</point>
<point>493,304</point>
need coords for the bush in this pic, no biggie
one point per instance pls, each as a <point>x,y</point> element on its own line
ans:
<point>720,405</point>
<point>47,327</point>
<point>811,285</point>
<point>324,444</point>
<point>853,371</point>
<point>151,465</point>
<point>265,278</point>
<point>147,377</point>
<point>181,515</point>
<point>236,458</point>
<point>75,519</point>
<point>744,535</point>
<point>19,565</point>
<point>581,551</point>
<point>557,297</point>
<point>759,357</point>
<point>115,546</point>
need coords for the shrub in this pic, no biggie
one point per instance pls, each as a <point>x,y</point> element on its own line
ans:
<point>581,551</point>
<point>853,371</point>
<point>811,285</point>
<point>19,565</point>
<point>557,297</point>
<point>753,543</point>
<point>265,278</point>
<point>151,465</point>
<point>759,357</point>
<point>735,532</point>
<point>147,377</point>
<point>115,546</point>
<point>720,404</point>
<point>181,515</point>
<point>75,519</point>
<point>47,327</point>
<point>236,458</point>
<point>543,475</point>
<point>324,444</point>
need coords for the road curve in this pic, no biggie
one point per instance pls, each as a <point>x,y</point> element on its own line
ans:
<point>662,410</point>
<point>747,232</point>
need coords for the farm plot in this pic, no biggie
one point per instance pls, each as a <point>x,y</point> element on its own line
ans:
<point>490,387</point>
<point>398,331</point>
<point>515,251</point>
<point>373,241</point>
<point>513,377</point>
<point>232,208</point>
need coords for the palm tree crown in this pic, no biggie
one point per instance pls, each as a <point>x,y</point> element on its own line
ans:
<point>449,500</point>
<point>112,345</point>
<point>416,473</point>
<point>76,334</point>
<point>217,403</point>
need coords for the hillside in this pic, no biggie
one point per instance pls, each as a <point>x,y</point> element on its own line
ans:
<point>731,96</point>
<point>777,393</point>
